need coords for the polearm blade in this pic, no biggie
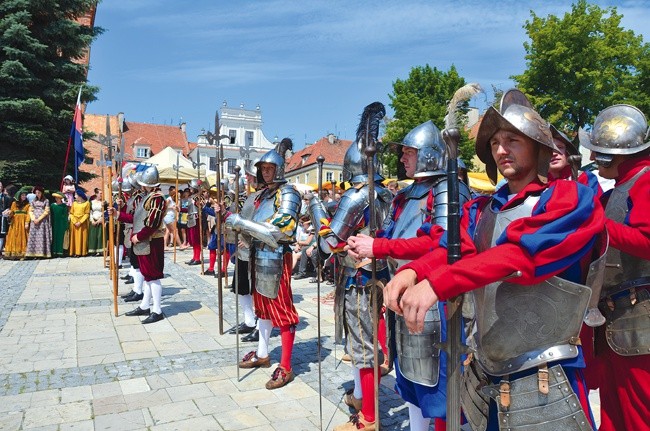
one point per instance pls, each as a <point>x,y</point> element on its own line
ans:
<point>371,150</point>
<point>218,222</point>
<point>319,270</point>
<point>453,345</point>
<point>236,276</point>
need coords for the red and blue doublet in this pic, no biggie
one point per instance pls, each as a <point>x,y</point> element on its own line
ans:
<point>624,381</point>
<point>555,239</point>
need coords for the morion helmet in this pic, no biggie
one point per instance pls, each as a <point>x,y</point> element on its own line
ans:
<point>517,115</point>
<point>149,177</point>
<point>275,157</point>
<point>618,129</point>
<point>355,162</point>
<point>133,179</point>
<point>432,151</point>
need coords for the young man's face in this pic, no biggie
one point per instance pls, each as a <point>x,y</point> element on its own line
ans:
<point>608,170</point>
<point>409,159</point>
<point>558,160</point>
<point>515,155</point>
<point>268,172</point>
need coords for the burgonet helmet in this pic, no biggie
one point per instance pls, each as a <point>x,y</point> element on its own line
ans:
<point>432,151</point>
<point>570,148</point>
<point>355,162</point>
<point>516,115</point>
<point>275,157</point>
<point>149,177</point>
<point>618,129</point>
<point>133,179</point>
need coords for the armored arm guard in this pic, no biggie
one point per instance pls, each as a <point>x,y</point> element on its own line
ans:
<point>441,201</point>
<point>263,231</point>
<point>317,212</point>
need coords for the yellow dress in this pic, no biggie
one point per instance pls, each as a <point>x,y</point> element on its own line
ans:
<point>16,242</point>
<point>79,212</point>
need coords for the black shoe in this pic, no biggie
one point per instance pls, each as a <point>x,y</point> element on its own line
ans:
<point>300,276</point>
<point>193,262</point>
<point>153,318</point>
<point>119,267</point>
<point>253,336</point>
<point>130,280</point>
<point>128,295</point>
<point>126,277</point>
<point>138,312</point>
<point>135,298</point>
<point>209,272</point>
<point>243,329</point>
<point>190,262</point>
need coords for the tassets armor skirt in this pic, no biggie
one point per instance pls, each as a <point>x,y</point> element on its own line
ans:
<point>280,311</point>
<point>358,322</point>
<point>153,264</point>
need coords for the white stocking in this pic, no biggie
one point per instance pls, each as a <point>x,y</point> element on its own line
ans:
<point>246,302</point>
<point>416,420</point>
<point>146,299</point>
<point>356,373</point>
<point>265,327</point>
<point>138,280</point>
<point>156,295</point>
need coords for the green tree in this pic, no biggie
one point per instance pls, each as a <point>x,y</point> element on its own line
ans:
<point>39,83</point>
<point>423,96</point>
<point>581,63</point>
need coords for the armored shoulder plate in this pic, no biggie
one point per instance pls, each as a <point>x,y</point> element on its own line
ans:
<point>317,212</point>
<point>290,201</point>
<point>350,211</point>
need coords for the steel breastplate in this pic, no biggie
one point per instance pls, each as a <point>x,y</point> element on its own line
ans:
<point>266,207</point>
<point>268,262</point>
<point>622,269</point>
<point>139,215</point>
<point>523,326</point>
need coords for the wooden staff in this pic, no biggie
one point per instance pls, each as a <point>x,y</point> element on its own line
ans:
<point>177,168</point>
<point>371,150</point>
<point>319,271</point>
<point>111,219</point>
<point>102,163</point>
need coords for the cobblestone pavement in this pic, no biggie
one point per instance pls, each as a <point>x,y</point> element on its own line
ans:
<point>67,363</point>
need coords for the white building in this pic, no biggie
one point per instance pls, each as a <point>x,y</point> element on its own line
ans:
<point>243,140</point>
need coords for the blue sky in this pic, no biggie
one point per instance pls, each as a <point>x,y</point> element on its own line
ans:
<point>311,66</point>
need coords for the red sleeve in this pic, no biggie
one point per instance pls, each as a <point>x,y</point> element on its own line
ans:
<point>410,248</point>
<point>633,237</point>
<point>125,217</point>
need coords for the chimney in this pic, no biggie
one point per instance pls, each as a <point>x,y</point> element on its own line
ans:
<point>331,138</point>
<point>183,127</point>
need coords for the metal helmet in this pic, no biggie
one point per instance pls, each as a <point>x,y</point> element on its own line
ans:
<point>133,179</point>
<point>517,116</point>
<point>618,129</point>
<point>432,151</point>
<point>570,148</point>
<point>275,157</point>
<point>355,162</point>
<point>149,177</point>
<point>126,185</point>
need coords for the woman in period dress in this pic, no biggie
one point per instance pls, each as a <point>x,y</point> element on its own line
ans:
<point>39,240</point>
<point>68,190</point>
<point>16,241</point>
<point>79,214</point>
<point>96,229</point>
<point>59,215</point>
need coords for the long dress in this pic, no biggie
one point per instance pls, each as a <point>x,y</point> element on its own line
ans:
<point>59,215</point>
<point>95,232</point>
<point>39,240</point>
<point>79,213</point>
<point>16,241</point>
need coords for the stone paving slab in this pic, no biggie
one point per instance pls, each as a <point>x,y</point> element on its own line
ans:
<point>68,363</point>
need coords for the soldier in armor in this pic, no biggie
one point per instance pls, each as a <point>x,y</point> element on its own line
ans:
<point>270,229</point>
<point>148,244</point>
<point>352,299</point>
<point>524,251</point>
<point>193,231</point>
<point>619,146</point>
<point>131,184</point>
<point>418,206</point>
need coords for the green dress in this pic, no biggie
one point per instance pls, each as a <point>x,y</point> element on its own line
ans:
<point>59,215</point>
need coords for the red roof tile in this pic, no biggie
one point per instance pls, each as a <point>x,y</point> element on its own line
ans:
<point>333,153</point>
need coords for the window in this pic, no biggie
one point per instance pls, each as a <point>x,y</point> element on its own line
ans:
<point>340,176</point>
<point>142,153</point>
<point>231,165</point>
<point>249,139</point>
<point>306,178</point>
<point>329,176</point>
<point>233,136</point>
<point>213,163</point>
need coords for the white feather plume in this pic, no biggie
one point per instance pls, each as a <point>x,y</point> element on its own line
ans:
<point>461,95</point>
